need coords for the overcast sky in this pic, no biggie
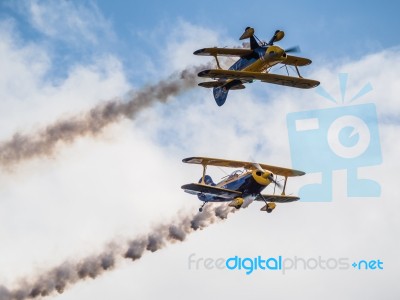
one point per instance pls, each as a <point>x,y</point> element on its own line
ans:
<point>59,59</point>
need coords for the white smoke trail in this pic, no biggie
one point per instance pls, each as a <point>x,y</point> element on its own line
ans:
<point>65,275</point>
<point>44,142</point>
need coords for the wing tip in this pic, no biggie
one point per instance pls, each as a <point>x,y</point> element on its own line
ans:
<point>203,73</point>
<point>193,160</point>
<point>299,173</point>
<point>199,52</point>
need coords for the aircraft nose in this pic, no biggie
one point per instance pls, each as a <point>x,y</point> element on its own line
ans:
<point>261,177</point>
<point>267,175</point>
<point>275,52</point>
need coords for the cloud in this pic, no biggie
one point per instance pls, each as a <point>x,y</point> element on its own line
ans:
<point>69,21</point>
<point>184,38</point>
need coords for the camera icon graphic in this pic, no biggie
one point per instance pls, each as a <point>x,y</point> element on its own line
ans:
<point>338,138</point>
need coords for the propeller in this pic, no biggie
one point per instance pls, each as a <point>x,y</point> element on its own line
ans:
<point>270,177</point>
<point>273,54</point>
<point>293,49</point>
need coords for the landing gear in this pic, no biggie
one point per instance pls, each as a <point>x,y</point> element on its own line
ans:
<point>237,202</point>
<point>201,207</point>
<point>270,207</point>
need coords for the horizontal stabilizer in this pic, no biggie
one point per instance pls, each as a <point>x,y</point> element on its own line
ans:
<point>211,84</point>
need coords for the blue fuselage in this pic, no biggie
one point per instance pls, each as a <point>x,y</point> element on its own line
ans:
<point>245,61</point>
<point>246,184</point>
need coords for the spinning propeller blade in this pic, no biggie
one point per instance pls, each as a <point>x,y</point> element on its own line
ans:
<point>293,49</point>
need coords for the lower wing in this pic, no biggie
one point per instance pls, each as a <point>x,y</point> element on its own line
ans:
<point>291,81</point>
<point>211,190</point>
<point>277,198</point>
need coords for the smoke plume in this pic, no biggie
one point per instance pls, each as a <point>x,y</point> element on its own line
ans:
<point>44,142</point>
<point>61,277</point>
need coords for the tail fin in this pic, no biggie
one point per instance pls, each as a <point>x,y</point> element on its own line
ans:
<point>220,94</point>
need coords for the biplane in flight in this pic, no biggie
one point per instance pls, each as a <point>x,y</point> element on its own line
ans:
<point>254,64</point>
<point>241,187</point>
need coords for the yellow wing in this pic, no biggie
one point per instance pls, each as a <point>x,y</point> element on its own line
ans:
<point>297,82</point>
<point>206,161</point>
<point>223,52</point>
<point>277,198</point>
<point>296,61</point>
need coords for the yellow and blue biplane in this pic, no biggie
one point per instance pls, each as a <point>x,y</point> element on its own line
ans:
<point>254,64</point>
<point>241,187</point>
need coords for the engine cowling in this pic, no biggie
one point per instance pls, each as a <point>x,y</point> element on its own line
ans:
<point>275,52</point>
<point>263,178</point>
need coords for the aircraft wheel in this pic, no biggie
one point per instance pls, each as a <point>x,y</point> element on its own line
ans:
<point>200,209</point>
<point>269,211</point>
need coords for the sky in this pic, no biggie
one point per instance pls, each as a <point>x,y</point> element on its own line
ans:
<point>63,59</point>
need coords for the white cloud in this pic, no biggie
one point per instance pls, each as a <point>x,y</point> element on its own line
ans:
<point>69,21</point>
<point>32,96</point>
<point>184,39</point>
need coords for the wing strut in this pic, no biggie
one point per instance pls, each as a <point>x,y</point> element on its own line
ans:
<point>216,59</point>
<point>204,173</point>
<point>284,186</point>
<point>297,70</point>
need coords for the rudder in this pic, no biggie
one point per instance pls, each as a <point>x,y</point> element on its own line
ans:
<point>220,95</point>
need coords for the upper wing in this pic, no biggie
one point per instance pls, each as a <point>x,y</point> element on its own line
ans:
<point>296,61</point>
<point>223,51</point>
<point>277,198</point>
<point>241,164</point>
<point>297,82</point>
<point>211,190</point>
